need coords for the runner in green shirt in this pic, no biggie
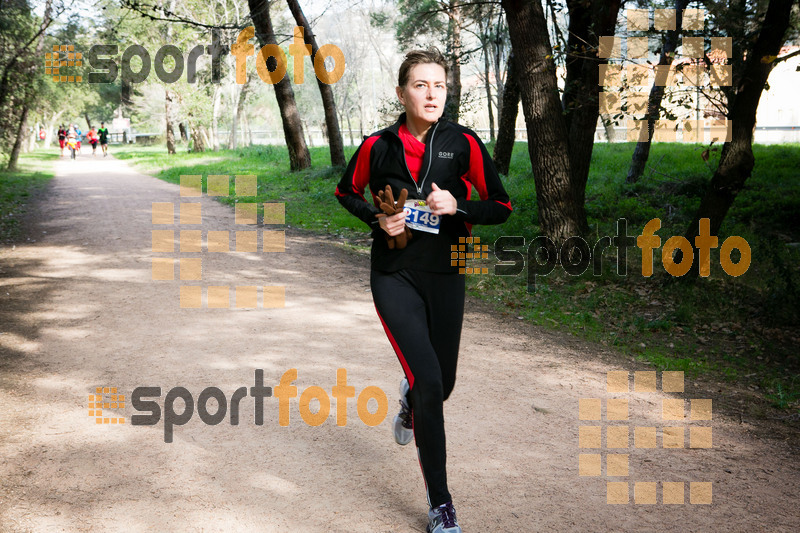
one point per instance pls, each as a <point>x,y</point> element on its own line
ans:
<point>103,134</point>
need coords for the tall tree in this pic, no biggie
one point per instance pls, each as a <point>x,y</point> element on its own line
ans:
<point>454,53</point>
<point>736,160</point>
<point>299,156</point>
<point>506,129</point>
<point>238,113</point>
<point>559,212</point>
<point>668,44</point>
<point>29,90</point>
<point>325,90</point>
<point>588,21</point>
<point>560,134</point>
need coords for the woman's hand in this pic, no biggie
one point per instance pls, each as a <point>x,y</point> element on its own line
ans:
<point>393,225</point>
<point>441,201</point>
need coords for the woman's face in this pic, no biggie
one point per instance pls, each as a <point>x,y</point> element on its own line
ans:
<point>424,94</point>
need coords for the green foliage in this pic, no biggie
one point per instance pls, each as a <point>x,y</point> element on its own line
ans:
<point>422,22</point>
<point>19,83</point>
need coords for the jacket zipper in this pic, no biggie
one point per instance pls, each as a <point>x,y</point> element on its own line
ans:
<point>430,159</point>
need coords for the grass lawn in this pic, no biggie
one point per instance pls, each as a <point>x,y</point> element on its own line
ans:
<point>35,169</point>
<point>741,329</point>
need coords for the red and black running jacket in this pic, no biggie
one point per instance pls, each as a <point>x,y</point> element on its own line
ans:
<point>456,160</point>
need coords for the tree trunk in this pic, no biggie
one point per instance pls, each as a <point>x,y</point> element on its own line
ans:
<point>23,125</point>
<point>498,47</point>
<point>642,151</point>
<point>248,133</point>
<point>168,96</point>
<point>326,91</point>
<point>204,136</point>
<point>50,124</point>
<point>239,115</point>
<point>198,145</point>
<point>608,127</point>
<point>217,101</point>
<point>560,214</point>
<point>235,120</point>
<point>182,129</point>
<point>506,130</point>
<point>168,118</point>
<point>737,161</point>
<point>488,91</point>
<point>299,157</point>
<point>126,93</point>
<point>88,121</point>
<point>23,121</point>
<point>453,105</point>
<point>587,22</point>
<point>33,136</point>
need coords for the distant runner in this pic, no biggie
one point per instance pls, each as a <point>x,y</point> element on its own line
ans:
<point>103,133</point>
<point>92,138</point>
<point>72,141</point>
<point>62,138</point>
<point>78,137</point>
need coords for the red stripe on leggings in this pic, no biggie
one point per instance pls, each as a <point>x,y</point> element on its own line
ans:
<point>397,350</point>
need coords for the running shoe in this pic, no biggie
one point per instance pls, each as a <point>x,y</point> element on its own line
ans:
<point>403,432</point>
<point>442,519</point>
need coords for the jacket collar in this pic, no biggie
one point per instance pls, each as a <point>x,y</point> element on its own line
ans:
<point>395,128</point>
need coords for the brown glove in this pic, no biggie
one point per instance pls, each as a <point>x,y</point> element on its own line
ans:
<point>389,208</point>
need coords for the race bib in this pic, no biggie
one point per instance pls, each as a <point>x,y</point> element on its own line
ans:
<point>420,217</point>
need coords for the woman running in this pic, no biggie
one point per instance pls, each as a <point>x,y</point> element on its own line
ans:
<point>62,138</point>
<point>72,141</point>
<point>92,138</point>
<point>417,290</point>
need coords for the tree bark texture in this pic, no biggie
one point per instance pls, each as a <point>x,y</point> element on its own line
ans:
<point>559,212</point>
<point>326,91</point>
<point>168,119</point>
<point>506,129</point>
<point>453,105</point>
<point>587,22</point>
<point>737,161</point>
<point>642,151</point>
<point>299,156</point>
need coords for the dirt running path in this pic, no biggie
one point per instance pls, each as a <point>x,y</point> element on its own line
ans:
<point>79,310</point>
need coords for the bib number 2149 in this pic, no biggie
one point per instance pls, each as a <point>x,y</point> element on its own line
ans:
<point>420,217</point>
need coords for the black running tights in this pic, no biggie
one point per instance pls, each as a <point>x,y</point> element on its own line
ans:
<point>422,313</point>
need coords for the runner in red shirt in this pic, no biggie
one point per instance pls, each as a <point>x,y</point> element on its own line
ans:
<point>93,139</point>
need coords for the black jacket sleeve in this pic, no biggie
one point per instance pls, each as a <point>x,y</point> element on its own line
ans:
<point>494,206</point>
<point>350,191</point>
